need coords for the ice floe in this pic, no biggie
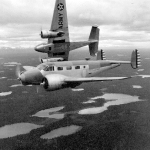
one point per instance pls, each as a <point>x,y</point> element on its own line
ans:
<point>77,90</point>
<point>64,131</point>
<point>50,113</point>
<point>5,93</point>
<point>17,129</point>
<point>111,100</point>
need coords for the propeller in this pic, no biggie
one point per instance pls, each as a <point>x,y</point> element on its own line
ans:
<point>40,59</point>
<point>37,89</point>
<point>18,71</point>
<point>41,31</point>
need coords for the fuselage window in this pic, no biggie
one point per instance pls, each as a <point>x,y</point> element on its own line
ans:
<point>77,67</point>
<point>69,68</point>
<point>60,68</point>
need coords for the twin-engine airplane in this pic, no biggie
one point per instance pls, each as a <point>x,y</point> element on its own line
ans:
<point>58,75</point>
<point>59,45</point>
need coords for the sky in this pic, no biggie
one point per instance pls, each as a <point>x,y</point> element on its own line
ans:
<point>122,23</point>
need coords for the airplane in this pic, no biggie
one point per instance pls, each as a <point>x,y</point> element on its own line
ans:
<point>69,74</point>
<point>59,45</point>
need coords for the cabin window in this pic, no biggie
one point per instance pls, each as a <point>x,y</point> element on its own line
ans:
<point>60,68</point>
<point>77,67</point>
<point>50,48</point>
<point>68,67</point>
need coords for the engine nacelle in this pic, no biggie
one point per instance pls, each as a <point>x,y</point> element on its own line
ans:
<point>51,60</point>
<point>54,82</point>
<point>44,48</point>
<point>51,34</point>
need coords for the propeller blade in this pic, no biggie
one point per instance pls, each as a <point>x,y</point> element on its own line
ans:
<point>18,71</point>
<point>40,59</point>
<point>37,89</point>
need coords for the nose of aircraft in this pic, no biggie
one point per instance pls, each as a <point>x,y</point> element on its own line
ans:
<point>22,78</point>
<point>39,48</point>
<point>33,77</point>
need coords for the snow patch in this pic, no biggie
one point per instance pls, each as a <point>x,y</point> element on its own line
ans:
<point>17,129</point>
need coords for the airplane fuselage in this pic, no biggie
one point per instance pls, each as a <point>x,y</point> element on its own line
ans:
<point>58,75</point>
<point>60,49</point>
<point>82,69</point>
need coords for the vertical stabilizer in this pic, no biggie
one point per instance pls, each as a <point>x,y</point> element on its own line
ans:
<point>101,55</point>
<point>60,21</point>
<point>135,59</point>
<point>94,38</point>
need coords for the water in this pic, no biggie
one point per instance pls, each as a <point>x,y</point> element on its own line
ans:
<point>5,93</point>
<point>17,85</point>
<point>111,100</point>
<point>50,113</point>
<point>62,132</point>
<point>3,77</point>
<point>77,90</point>
<point>145,76</point>
<point>17,129</point>
<point>137,87</point>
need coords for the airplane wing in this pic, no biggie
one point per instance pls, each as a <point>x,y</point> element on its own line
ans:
<point>93,79</point>
<point>28,67</point>
<point>60,22</point>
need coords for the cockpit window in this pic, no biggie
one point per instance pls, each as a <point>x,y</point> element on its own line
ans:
<point>49,68</point>
<point>45,67</point>
<point>41,66</point>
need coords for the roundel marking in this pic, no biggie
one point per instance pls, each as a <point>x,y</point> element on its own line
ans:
<point>60,7</point>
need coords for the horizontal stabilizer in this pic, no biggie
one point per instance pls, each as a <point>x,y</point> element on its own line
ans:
<point>135,59</point>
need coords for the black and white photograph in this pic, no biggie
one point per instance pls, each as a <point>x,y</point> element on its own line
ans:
<point>74,75</point>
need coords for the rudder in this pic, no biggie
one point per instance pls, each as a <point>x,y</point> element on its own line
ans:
<point>101,55</point>
<point>94,38</point>
<point>135,59</point>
